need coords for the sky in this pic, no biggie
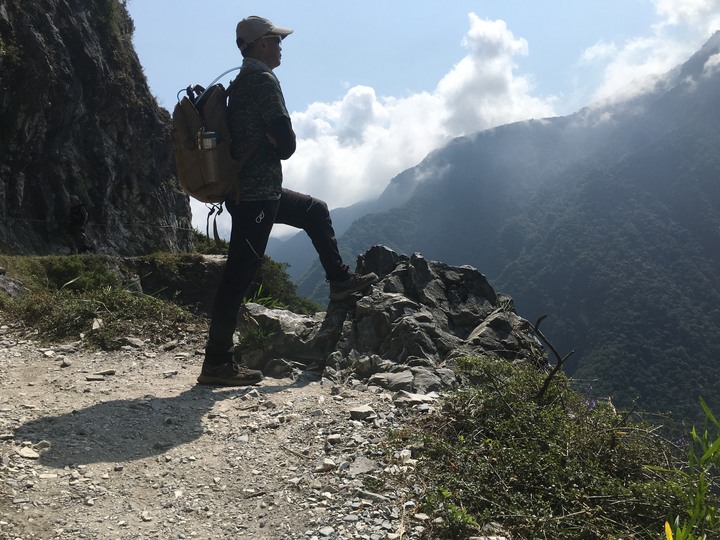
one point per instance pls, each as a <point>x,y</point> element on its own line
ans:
<point>373,86</point>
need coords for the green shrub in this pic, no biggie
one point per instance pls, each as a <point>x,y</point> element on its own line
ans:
<point>74,272</point>
<point>66,314</point>
<point>702,520</point>
<point>67,293</point>
<point>561,468</point>
<point>208,246</point>
<point>272,282</point>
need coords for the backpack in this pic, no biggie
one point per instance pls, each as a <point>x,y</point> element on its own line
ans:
<point>201,137</point>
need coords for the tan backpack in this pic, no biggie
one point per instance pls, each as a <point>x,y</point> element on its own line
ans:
<point>201,137</point>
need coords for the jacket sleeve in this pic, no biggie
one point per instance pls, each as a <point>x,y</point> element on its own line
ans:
<point>282,131</point>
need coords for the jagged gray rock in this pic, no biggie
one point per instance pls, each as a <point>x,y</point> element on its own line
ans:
<point>404,334</point>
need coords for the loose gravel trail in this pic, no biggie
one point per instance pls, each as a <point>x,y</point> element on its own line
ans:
<point>126,445</point>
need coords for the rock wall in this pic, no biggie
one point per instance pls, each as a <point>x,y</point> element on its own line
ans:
<point>77,118</point>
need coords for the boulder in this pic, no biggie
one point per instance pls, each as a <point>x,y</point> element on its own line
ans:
<point>403,334</point>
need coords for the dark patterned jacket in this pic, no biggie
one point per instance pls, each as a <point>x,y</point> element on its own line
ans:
<point>257,108</point>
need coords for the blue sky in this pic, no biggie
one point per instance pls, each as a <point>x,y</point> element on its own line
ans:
<point>373,86</point>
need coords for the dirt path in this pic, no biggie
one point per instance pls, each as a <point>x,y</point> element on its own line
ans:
<point>125,445</point>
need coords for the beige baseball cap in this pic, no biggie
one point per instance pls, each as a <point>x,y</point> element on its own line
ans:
<point>253,27</point>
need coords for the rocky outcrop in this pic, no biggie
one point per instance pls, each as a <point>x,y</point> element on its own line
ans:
<point>77,119</point>
<point>404,334</point>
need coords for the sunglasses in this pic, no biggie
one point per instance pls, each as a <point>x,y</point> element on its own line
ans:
<point>278,39</point>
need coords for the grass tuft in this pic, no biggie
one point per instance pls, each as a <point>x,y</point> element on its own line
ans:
<point>103,316</point>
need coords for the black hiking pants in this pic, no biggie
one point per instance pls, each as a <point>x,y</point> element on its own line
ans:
<point>252,222</point>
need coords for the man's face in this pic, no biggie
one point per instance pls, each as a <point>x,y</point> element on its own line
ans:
<point>270,49</point>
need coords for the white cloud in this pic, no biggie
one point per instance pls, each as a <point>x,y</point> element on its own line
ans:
<point>482,90</point>
<point>636,64</point>
<point>599,51</point>
<point>712,65</point>
<point>349,150</point>
<point>633,66</point>
<point>703,15</point>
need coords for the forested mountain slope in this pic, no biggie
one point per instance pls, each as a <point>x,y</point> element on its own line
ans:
<point>607,220</point>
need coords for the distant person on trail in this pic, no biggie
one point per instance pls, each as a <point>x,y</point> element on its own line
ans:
<point>77,221</point>
<point>260,128</point>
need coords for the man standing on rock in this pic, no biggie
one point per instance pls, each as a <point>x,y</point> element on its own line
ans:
<point>261,131</point>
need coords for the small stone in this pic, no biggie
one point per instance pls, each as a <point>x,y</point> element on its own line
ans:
<point>326,531</point>
<point>335,438</point>
<point>370,496</point>
<point>326,465</point>
<point>402,380</point>
<point>407,398</point>
<point>363,412</point>
<point>28,453</point>
<point>361,465</point>
<point>170,345</point>
<point>134,342</point>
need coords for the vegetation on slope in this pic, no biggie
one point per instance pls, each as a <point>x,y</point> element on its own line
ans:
<point>87,294</point>
<point>554,466</point>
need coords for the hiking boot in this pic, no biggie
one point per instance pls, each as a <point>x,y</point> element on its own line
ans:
<point>340,290</point>
<point>229,374</point>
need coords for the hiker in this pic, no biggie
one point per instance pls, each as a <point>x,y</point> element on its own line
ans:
<point>260,127</point>
<point>76,226</point>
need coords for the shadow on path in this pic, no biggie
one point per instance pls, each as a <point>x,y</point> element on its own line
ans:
<point>130,429</point>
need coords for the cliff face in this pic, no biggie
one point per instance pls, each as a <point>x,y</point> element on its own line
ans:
<point>77,119</point>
